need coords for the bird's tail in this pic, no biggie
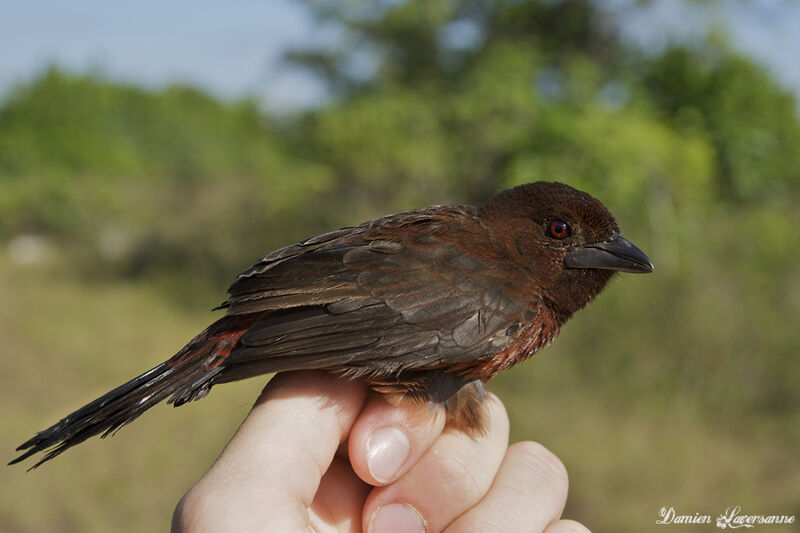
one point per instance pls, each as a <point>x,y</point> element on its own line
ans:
<point>187,376</point>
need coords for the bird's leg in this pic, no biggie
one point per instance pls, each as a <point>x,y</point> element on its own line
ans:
<point>465,409</point>
<point>461,397</point>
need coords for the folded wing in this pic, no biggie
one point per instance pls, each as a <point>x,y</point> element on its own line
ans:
<point>378,300</point>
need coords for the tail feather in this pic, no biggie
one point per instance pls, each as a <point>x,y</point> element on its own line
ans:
<point>187,376</point>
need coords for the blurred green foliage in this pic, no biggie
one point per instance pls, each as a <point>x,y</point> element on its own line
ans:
<point>693,148</point>
<point>142,183</point>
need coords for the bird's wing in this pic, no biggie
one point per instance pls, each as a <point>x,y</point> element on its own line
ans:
<point>380,299</point>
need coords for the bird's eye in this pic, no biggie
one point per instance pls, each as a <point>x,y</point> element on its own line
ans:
<point>558,229</point>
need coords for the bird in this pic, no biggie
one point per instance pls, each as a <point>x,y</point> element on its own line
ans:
<point>426,305</point>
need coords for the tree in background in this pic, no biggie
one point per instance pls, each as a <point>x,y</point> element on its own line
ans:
<point>439,101</point>
<point>694,148</point>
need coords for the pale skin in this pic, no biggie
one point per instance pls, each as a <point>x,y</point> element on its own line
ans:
<point>320,454</point>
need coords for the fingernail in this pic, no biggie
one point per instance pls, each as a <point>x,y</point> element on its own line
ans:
<point>397,518</point>
<point>387,450</point>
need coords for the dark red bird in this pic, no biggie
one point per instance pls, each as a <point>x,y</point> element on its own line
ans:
<point>430,303</point>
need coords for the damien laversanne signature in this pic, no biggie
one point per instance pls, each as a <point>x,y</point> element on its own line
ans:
<point>732,518</point>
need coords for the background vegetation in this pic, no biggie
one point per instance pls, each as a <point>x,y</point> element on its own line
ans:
<point>124,213</point>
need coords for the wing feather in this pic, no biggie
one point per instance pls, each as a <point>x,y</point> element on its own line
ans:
<point>377,300</point>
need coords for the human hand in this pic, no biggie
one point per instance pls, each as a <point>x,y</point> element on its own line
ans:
<point>318,453</point>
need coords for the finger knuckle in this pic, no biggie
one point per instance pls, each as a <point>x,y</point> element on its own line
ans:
<point>461,473</point>
<point>186,513</point>
<point>497,412</point>
<point>567,526</point>
<point>543,462</point>
<point>480,525</point>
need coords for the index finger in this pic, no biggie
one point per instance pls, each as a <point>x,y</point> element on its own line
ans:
<point>272,467</point>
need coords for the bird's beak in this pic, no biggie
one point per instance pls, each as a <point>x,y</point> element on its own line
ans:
<point>617,253</point>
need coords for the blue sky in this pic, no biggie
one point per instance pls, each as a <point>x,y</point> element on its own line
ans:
<point>234,48</point>
<point>229,48</point>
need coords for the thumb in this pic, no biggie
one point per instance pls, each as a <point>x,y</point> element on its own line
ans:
<point>269,472</point>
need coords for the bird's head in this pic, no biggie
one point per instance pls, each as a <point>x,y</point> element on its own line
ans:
<point>567,239</point>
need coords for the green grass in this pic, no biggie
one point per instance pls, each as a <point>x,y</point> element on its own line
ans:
<point>627,462</point>
<point>65,342</point>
